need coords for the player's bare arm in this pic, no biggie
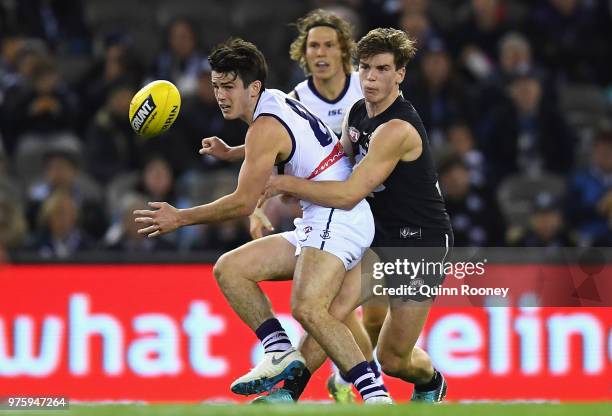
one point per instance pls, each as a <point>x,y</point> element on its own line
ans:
<point>216,147</point>
<point>394,141</point>
<point>266,141</point>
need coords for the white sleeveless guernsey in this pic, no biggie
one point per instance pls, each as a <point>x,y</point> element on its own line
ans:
<point>318,155</point>
<point>332,112</point>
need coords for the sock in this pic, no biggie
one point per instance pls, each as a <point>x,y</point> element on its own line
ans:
<point>297,385</point>
<point>432,384</point>
<point>375,368</point>
<point>365,382</point>
<point>340,378</point>
<point>272,336</point>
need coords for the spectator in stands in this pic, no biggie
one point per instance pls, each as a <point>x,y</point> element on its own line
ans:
<point>13,225</point>
<point>546,227</point>
<point>63,173</point>
<point>462,145</point>
<point>590,193</point>
<point>119,66</point>
<point>60,22</point>
<point>570,37</point>
<point>124,236</point>
<point>157,183</point>
<point>478,35</point>
<point>181,60</point>
<point>20,59</point>
<point>111,144</point>
<point>436,94</point>
<point>58,233</point>
<point>527,134</point>
<point>473,211</point>
<point>48,107</point>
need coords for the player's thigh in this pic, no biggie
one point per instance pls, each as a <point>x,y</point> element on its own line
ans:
<point>403,325</point>
<point>267,258</point>
<point>317,279</point>
<point>349,294</point>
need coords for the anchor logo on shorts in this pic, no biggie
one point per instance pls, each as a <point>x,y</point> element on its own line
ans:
<point>325,235</point>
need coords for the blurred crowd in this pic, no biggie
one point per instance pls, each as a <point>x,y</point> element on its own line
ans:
<point>516,97</point>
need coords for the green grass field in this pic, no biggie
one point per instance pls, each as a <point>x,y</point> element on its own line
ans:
<point>489,409</point>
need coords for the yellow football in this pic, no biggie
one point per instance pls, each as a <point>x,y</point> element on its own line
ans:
<point>154,108</point>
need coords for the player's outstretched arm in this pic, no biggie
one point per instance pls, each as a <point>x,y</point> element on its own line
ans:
<point>390,142</point>
<point>262,147</point>
<point>216,147</point>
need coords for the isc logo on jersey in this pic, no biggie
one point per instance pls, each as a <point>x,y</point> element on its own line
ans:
<point>154,108</point>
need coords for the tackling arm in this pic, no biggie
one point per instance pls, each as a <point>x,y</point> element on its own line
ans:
<point>389,143</point>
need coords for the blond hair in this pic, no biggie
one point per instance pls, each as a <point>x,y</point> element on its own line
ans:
<point>317,18</point>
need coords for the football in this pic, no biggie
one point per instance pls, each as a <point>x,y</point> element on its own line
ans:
<point>154,108</point>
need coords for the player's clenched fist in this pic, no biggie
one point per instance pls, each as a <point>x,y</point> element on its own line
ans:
<point>163,220</point>
<point>216,147</point>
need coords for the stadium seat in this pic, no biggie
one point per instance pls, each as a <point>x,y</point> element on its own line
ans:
<point>29,156</point>
<point>205,187</point>
<point>584,105</point>
<point>120,186</point>
<point>104,16</point>
<point>516,194</point>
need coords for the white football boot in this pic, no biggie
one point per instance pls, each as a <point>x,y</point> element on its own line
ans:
<point>275,367</point>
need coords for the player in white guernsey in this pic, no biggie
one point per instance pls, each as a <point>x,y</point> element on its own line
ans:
<point>326,244</point>
<point>324,49</point>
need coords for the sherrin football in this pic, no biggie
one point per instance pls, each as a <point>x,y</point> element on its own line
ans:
<point>154,108</point>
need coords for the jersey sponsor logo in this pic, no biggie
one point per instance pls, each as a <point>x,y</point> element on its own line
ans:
<point>353,134</point>
<point>335,112</point>
<point>325,235</point>
<point>336,154</point>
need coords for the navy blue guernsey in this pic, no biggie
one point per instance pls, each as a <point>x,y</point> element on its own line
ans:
<point>410,197</point>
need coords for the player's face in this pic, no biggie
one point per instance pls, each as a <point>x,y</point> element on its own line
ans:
<point>378,76</point>
<point>231,94</point>
<point>323,52</point>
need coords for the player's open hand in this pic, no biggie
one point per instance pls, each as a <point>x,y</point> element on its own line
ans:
<point>214,146</point>
<point>258,222</point>
<point>162,220</point>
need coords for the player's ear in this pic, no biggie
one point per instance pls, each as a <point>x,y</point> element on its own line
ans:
<point>255,88</point>
<point>401,73</point>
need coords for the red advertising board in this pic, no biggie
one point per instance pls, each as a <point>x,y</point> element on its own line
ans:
<point>165,333</point>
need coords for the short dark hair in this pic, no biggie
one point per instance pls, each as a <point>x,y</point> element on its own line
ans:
<point>241,58</point>
<point>383,40</point>
<point>318,18</point>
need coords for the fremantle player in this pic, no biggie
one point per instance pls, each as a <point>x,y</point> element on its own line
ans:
<point>395,172</point>
<point>328,242</point>
<point>324,50</point>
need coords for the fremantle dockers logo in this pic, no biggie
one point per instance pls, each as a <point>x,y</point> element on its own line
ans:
<point>353,134</point>
<point>143,113</point>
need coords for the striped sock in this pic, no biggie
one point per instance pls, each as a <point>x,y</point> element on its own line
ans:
<point>365,382</point>
<point>376,369</point>
<point>272,336</point>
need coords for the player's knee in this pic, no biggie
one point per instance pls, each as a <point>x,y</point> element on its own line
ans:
<point>304,314</point>
<point>221,269</point>
<point>391,364</point>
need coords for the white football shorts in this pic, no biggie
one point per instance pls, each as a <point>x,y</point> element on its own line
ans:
<point>345,234</point>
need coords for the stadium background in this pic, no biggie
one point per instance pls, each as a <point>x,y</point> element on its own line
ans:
<point>516,97</point>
